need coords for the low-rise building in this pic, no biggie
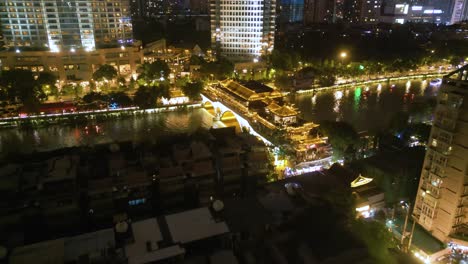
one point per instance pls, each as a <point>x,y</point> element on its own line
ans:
<point>74,65</point>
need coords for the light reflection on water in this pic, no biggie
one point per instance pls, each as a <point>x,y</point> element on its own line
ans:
<point>139,128</point>
<point>369,107</point>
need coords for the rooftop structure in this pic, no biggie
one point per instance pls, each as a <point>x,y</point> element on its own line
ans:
<point>193,225</point>
<point>249,92</point>
<point>146,247</point>
<point>93,246</point>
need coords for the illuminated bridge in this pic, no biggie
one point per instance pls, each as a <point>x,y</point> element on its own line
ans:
<point>221,112</point>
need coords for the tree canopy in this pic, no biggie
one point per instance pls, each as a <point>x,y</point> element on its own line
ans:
<point>20,85</point>
<point>220,69</point>
<point>341,135</point>
<point>153,72</point>
<point>193,89</point>
<point>106,71</point>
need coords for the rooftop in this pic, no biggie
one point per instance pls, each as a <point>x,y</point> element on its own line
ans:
<point>88,243</point>
<point>258,87</point>
<point>282,111</point>
<point>48,252</point>
<point>145,248</point>
<point>240,90</point>
<point>194,225</point>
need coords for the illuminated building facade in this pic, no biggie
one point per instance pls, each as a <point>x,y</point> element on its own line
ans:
<point>242,30</point>
<point>292,11</point>
<point>78,65</point>
<point>442,198</point>
<point>460,11</point>
<point>72,24</point>
<point>323,11</point>
<point>352,11</point>
<point>370,11</point>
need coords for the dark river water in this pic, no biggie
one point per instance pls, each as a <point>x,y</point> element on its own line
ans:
<point>365,107</point>
<point>369,107</point>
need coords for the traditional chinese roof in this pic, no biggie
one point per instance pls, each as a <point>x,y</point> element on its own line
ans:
<point>273,106</point>
<point>240,90</point>
<point>282,111</point>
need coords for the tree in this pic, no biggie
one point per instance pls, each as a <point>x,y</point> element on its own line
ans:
<point>282,81</point>
<point>20,85</point>
<point>193,89</point>
<point>377,239</point>
<point>150,73</point>
<point>326,79</point>
<point>68,89</point>
<point>132,84</point>
<point>119,99</point>
<point>286,61</point>
<point>341,136</point>
<point>106,72</point>
<point>220,69</point>
<point>48,81</point>
<point>180,82</point>
<point>94,97</point>
<point>145,98</point>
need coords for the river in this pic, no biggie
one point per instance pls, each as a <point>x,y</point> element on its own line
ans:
<point>369,107</point>
<point>364,107</point>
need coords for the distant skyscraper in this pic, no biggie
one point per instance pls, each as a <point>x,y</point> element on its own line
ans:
<point>352,11</point>
<point>442,197</point>
<point>59,24</point>
<point>291,11</point>
<point>460,11</point>
<point>370,11</point>
<point>322,11</point>
<point>242,30</point>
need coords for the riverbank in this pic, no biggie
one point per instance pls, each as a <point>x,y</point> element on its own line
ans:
<point>86,116</point>
<point>372,81</point>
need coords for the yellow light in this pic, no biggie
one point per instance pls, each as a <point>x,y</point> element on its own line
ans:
<point>363,208</point>
<point>359,181</point>
<point>343,54</point>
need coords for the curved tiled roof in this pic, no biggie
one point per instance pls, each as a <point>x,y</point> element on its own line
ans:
<point>240,90</point>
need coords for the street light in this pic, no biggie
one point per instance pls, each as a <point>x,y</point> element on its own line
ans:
<point>343,56</point>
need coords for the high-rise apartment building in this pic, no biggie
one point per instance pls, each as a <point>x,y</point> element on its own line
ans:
<point>370,11</point>
<point>352,11</point>
<point>71,24</point>
<point>242,30</point>
<point>291,11</point>
<point>323,11</point>
<point>441,205</point>
<point>460,11</point>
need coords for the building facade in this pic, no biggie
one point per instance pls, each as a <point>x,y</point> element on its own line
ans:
<point>322,11</point>
<point>242,30</point>
<point>73,65</point>
<point>291,11</point>
<point>442,198</point>
<point>74,24</point>
<point>370,11</point>
<point>460,11</point>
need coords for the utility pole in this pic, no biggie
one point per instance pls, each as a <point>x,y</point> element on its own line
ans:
<point>411,234</point>
<point>406,223</point>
